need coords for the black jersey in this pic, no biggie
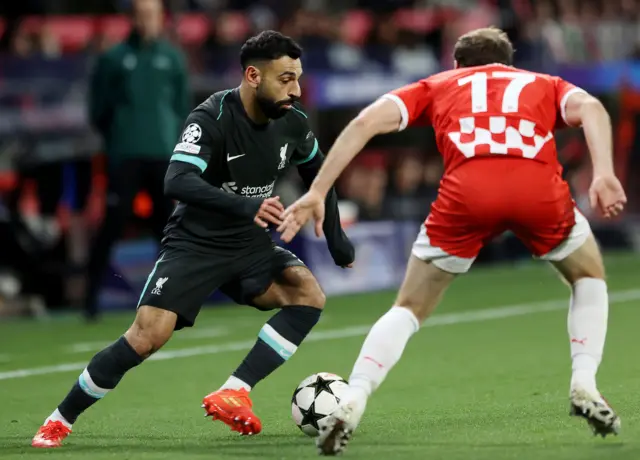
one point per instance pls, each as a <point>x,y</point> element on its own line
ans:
<point>242,161</point>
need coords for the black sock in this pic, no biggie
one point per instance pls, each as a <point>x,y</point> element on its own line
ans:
<point>101,375</point>
<point>277,341</point>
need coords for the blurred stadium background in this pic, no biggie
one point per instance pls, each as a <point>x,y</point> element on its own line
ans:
<point>355,50</point>
<point>490,391</point>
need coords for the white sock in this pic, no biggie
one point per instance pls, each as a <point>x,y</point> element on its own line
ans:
<point>56,416</point>
<point>234,383</point>
<point>587,324</point>
<point>382,349</point>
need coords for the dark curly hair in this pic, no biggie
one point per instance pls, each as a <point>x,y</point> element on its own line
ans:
<point>268,46</point>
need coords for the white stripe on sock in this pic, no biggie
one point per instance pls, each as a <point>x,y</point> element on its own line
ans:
<point>89,387</point>
<point>273,338</point>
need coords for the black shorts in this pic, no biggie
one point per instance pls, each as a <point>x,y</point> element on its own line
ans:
<point>182,279</point>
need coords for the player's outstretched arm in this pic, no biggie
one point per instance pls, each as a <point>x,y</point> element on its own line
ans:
<point>381,117</point>
<point>606,193</point>
<point>182,182</point>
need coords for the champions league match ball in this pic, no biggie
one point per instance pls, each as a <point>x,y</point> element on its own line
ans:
<point>315,399</point>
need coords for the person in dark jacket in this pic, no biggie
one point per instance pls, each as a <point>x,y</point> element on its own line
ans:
<point>138,99</point>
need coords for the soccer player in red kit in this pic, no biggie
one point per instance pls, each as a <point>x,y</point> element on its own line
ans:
<point>494,126</point>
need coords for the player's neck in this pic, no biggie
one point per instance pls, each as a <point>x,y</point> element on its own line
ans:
<point>251,106</point>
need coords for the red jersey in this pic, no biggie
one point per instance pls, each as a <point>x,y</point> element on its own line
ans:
<point>488,110</point>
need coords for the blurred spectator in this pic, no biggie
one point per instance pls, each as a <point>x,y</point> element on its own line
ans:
<point>50,172</point>
<point>412,57</point>
<point>433,170</point>
<point>366,185</point>
<point>23,44</point>
<point>407,198</point>
<point>138,102</point>
<point>47,43</point>
<point>24,275</point>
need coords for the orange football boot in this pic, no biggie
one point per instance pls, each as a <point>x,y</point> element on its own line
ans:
<point>51,434</point>
<point>233,407</point>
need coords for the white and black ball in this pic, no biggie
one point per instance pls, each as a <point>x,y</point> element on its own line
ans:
<point>315,399</point>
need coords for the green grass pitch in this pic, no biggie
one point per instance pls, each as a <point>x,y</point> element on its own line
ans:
<point>486,379</point>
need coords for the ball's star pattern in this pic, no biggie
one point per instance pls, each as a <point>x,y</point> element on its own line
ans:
<point>321,385</point>
<point>311,417</point>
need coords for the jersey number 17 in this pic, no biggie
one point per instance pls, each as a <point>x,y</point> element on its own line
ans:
<point>511,96</point>
<point>484,143</point>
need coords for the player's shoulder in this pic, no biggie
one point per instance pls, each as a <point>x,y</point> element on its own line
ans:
<point>298,112</point>
<point>297,117</point>
<point>543,77</point>
<point>441,80</point>
<point>212,109</point>
<point>448,76</point>
<point>548,83</point>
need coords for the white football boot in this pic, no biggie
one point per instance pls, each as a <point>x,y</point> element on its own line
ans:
<point>337,429</point>
<point>596,410</point>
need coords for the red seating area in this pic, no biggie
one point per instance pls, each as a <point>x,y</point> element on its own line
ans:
<point>75,33</point>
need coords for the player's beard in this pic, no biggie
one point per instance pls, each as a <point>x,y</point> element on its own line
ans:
<point>272,109</point>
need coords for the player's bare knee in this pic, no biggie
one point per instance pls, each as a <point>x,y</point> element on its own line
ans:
<point>595,270</point>
<point>151,329</point>
<point>318,299</point>
<point>406,300</point>
<point>309,294</point>
<point>146,341</point>
<point>303,288</point>
<point>415,307</point>
<point>584,262</point>
<point>423,287</point>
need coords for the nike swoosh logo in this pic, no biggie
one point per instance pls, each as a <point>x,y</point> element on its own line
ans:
<point>284,353</point>
<point>233,158</point>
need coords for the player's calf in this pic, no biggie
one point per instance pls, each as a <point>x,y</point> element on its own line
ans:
<point>150,330</point>
<point>583,270</point>
<point>277,341</point>
<point>301,301</point>
<point>588,311</point>
<point>421,290</point>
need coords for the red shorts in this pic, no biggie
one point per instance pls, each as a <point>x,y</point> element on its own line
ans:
<point>485,198</point>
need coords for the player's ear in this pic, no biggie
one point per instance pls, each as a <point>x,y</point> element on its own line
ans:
<point>253,76</point>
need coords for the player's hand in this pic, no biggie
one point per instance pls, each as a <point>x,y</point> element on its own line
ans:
<point>270,211</point>
<point>309,206</point>
<point>606,195</point>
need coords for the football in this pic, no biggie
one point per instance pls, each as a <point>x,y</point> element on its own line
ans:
<point>316,397</point>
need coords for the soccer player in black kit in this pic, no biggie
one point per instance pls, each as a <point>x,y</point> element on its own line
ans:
<point>222,172</point>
